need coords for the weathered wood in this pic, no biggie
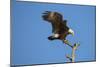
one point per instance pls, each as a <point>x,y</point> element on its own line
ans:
<point>74,48</point>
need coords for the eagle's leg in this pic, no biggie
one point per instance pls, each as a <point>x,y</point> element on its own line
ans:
<point>68,43</point>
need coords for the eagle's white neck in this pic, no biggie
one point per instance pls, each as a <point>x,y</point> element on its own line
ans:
<point>71,31</point>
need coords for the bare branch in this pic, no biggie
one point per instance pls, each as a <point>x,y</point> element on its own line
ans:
<point>74,48</point>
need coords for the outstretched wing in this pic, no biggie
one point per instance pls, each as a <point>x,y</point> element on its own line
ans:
<point>52,16</point>
<point>57,22</point>
<point>56,19</point>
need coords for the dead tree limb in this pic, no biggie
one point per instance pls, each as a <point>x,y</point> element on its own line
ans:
<point>74,48</point>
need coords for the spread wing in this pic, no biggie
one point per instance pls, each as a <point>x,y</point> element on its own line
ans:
<point>52,16</point>
<point>56,20</point>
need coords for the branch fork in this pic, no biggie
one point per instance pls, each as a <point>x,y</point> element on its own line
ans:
<point>74,48</point>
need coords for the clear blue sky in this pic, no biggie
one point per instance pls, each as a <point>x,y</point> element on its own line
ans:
<point>29,33</point>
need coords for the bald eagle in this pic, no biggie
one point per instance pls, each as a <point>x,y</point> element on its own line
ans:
<point>59,26</point>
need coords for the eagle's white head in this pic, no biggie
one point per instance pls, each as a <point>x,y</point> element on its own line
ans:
<point>70,31</point>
